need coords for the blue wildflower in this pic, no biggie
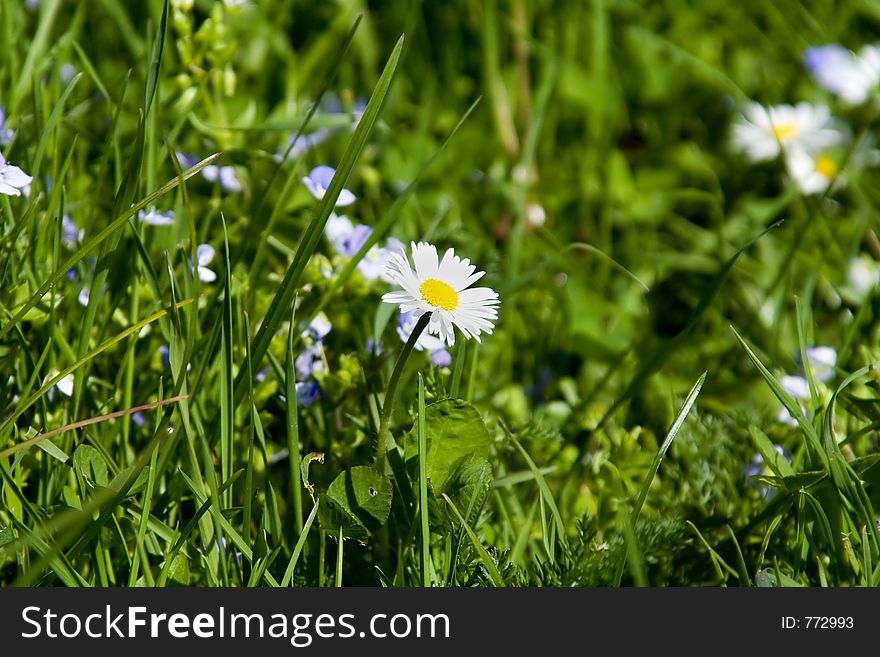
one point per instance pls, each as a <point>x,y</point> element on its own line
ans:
<point>318,181</point>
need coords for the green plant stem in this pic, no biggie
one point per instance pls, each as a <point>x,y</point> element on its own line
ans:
<point>390,391</point>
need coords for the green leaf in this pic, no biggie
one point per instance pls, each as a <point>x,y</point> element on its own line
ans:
<point>358,500</point>
<point>468,485</point>
<point>178,573</point>
<point>53,450</point>
<point>90,464</point>
<point>455,433</point>
<point>776,461</point>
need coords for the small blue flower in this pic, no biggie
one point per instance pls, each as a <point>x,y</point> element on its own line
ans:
<point>187,161</point>
<point>305,143</point>
<point>307,392</point>
<point>70,233</point>
<point>373,347</point>
<point>353,242</point>
<point>436,348</point>
<point>155,218</point>
<point>139,419</point>
<point>309,361</point>
<point>164,355</point>
<point>205,254</point>
<point>318,181</point>
<point>6,134</point>
<point>822,362</point>
<point>225,175</point>
<point>318,328</point>
<point>441,357</point>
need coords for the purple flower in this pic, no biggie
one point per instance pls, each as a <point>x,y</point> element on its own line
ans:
<point>139,419</point>
<point>318,181</point>
<point>163,354</point>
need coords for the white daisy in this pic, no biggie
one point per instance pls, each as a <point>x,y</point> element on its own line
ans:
<point>851,77</point>
<point>12,179</point>
<point>439,287</point>
<point>764,132</point>
<point>812,173</point>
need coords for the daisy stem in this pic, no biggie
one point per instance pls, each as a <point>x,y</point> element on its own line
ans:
<point>390,391</point>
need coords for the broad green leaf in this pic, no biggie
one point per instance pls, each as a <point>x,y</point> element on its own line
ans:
<point>178,573</point>
<point>468,485</point>
<point>90,464</point>
<point>455,433</point>
<point>358,500</point>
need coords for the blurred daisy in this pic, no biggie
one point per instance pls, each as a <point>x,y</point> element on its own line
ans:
<point>318,181</point>
<point>812,173</point>
<point>435,347</point>
<point>851,77</point>
<point>6,134</point>
<point>863,274</point>
<point>762,133</point>
<point>155,218</point>
<point>205,254</point>
<point>442,289</point>
<point>12,179</point>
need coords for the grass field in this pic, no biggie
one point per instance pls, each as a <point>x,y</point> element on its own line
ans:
<point>200,382</point>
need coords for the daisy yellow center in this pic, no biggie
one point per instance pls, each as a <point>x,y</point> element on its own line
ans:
<point>439,294</point>
<point>783,131</point>
<point>826,166</point>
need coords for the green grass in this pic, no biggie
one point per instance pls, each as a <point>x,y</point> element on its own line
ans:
<point>655,289</point>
